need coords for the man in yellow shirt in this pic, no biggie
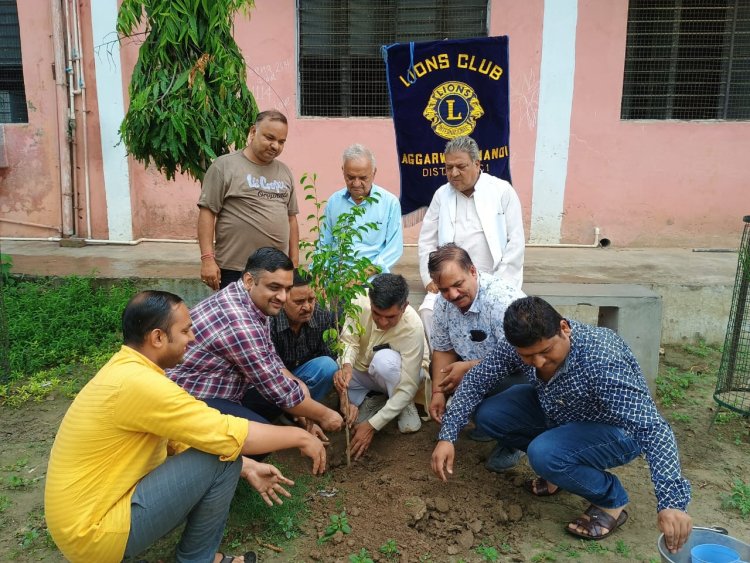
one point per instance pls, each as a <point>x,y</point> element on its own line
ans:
<point>136,455</point>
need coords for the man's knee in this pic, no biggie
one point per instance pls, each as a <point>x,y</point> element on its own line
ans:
<point>386,364</point>
<point>545,455</point>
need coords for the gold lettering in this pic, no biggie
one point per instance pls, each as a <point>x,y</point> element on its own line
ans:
<point>420,70</point>
<point>462,60</point>
<point>431,64</point>
<point>450,116</point>
<point>401,78</point>
<point>496,72</point>
<point>485,66</point>
<point>444,61</point>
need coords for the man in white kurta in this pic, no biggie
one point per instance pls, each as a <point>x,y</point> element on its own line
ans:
<point>384,364</point>
<point>476,211</point>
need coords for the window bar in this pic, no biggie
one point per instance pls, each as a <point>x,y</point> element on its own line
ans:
<point>728,87</point>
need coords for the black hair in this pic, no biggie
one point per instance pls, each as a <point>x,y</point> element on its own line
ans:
<point>301,278</point>
<point>267,259</point>
<point>145,312</point>
<point>529,320</point>
<point>449,252</point>
<point>388,290</point>
<point>271,115</point>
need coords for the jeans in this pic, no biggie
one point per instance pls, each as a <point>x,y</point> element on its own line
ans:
<point>573,456</point>
<point>193,486</point>
<point>229,276</point>
<point>318,376</point>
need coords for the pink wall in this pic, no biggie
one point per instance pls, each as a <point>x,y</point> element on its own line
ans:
<point>30,185</point>
<point>646,183</point>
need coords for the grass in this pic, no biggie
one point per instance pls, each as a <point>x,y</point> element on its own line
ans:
<point>60,332</point>
<point>672,385</point>
<point>738,498</point>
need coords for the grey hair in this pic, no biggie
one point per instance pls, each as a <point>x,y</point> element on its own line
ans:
<point>357,151</point>
<point>463,144</point>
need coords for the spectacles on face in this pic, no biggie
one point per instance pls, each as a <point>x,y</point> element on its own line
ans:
<point>477,335</point>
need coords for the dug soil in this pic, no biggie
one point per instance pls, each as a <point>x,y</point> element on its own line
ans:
<point>391,493</point>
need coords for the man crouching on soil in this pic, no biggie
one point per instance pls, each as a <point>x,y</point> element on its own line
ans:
<point>585,409</point>
<point>136,455</point>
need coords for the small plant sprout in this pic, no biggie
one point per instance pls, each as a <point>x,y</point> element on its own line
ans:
<point>362,557</point>
<point>390,549</point>
<point>488,553</point>
<point>339,523</point>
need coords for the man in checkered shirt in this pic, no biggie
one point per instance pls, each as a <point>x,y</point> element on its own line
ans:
<point>585,409</point>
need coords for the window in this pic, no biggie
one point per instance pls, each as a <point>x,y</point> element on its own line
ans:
<point>687,59</point>
<point>12,93</point>
<point>341,69</point>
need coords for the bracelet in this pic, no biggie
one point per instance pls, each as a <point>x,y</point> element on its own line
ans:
<point>207,255</point>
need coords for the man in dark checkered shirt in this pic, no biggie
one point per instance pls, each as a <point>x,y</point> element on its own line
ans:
<point>586,409</point>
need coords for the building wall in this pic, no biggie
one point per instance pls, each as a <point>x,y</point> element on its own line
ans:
<point>642,183</point>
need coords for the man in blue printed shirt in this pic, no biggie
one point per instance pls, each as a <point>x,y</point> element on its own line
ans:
<point>586,409</point>
<point>383,245</point>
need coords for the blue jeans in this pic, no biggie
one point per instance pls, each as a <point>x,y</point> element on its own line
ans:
<point>318,376</point>
<point>193,486</point>
<point>574,456</point>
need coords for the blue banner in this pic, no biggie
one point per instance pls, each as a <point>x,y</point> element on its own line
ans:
<point>440,90</point>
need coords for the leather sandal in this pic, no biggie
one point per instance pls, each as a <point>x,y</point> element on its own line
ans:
<point>597,521</point>
<point>542,487</point>
<point>250,557</point>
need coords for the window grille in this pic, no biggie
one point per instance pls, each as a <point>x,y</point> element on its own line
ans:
<point>12,93</point>
<point>341,70</point>
<point>687,59</point>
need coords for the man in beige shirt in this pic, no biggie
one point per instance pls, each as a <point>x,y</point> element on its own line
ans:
<point>384,365</point>
<point>247,202</point>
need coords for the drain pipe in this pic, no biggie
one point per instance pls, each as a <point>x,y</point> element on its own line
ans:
<point>603,243</point>
<point>61,83</point>
<point>101,242</point>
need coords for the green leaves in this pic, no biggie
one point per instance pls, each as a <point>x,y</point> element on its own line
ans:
<point>189,100</point>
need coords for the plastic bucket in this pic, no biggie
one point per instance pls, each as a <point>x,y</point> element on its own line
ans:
<point>714,553</point>
<point>702,536</point>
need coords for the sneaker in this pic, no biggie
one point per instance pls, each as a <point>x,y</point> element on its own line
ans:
<point>408,420</point>
<point>503,458</point>
<point>370,406</point>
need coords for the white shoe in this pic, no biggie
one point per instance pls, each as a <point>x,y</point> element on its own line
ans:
<point>408,420</point>
<point>370,406</point>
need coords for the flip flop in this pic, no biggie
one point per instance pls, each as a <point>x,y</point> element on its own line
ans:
<point>596,522</point>
<point>542,487</point>
<point>250,557</point>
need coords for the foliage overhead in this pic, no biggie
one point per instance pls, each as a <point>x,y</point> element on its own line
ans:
<point>189,100</point>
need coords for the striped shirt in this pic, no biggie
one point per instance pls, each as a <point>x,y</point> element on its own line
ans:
<point>233,352</point>
<point>600,381</point>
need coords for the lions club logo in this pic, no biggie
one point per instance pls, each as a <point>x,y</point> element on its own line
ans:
<point>453,110</point>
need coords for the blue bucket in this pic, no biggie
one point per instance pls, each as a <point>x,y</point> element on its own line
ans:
<point>699,536</point>
<point>714,553</point>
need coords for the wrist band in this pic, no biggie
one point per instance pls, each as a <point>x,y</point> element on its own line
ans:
<point>207,255</point>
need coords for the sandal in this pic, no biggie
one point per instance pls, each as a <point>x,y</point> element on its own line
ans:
<point>597,521</point>
<point>542,487</point>
<point>250,557</point>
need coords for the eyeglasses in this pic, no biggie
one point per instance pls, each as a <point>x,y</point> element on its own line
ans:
<point>477,335</point>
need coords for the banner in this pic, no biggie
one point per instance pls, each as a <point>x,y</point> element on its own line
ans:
<point>440,90</point>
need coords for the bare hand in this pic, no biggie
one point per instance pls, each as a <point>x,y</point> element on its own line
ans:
<point>316,431</point>
<point>266,479</point>
<point>331,421</point>
<point>351,415</point>
<point>316,451</point>
<point>210,273</point>
<point>453,374</point>
<point>361,439</point>
<point>342,378</point>
<point>432,287</point>
<point>676,526</point>
<point>442,459</point>
<point>437,406</point>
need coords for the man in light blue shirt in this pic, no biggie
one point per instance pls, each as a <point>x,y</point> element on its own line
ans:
<point>383,245</point>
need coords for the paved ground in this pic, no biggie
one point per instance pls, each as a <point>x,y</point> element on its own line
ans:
<point>696,287</point>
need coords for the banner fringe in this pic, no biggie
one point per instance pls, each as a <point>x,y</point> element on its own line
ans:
<point>414,217</point>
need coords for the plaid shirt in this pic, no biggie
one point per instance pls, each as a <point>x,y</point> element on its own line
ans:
<point>233,352</point>
<point>297,349</point>
<point>600,381</point>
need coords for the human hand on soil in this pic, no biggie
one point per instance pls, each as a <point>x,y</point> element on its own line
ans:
<point>361,439</point>
<point>314,449</point>
<point>453,374</point>
<point>266,479</point>
<point>676,526</point>
<point>442,459</point>
<point>342,378</point>
<point>316,431</point>
<point>437,406</point>
<point>331,421</point>
<point>351,415</point>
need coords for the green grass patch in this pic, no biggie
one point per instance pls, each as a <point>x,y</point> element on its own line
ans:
<point>61,331</point>
<point>739,498</point>
<point>671,386</point>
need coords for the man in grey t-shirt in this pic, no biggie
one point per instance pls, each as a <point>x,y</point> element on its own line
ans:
<point>247,202</point>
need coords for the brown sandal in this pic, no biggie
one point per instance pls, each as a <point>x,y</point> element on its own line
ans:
<point>597,521</point>
<point>542,487</point>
